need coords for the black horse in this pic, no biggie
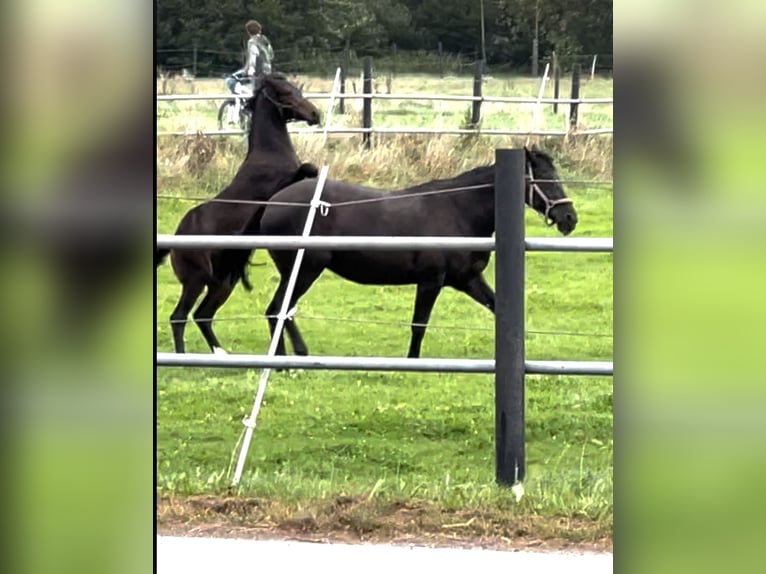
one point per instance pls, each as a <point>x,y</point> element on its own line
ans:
<point>467,211</point>
<point>271,164</point>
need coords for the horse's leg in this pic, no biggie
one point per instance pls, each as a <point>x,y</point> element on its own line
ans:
<point>478,290</point>
<point>299,345</point>
<point>273,309</point>
<point>425,298</point>
<point>306,277</point>
<point>203,316</point>
<point>190,292</point>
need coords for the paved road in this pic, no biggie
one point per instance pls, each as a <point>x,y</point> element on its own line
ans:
<point>213,555</point>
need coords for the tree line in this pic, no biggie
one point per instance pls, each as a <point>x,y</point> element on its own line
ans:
<point>307,32</point>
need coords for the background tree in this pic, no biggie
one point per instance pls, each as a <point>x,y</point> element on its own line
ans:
<point>305,32</point>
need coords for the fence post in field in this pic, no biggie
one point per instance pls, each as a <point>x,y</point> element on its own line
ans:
<point>556,80</point>
<point>509,315</point>
<point>440,59</point>
<point>476,107</point>
<point>367,101</point>
<point>593,66</point>
<point>575,95</point>
<point>342,90</point>
<point>393,55</point>
<point>194,60</point>
<point>347,56</point>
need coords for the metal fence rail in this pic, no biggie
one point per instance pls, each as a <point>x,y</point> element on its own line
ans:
<point>378,243</point>
<point>406,130</point>
<point>487,366</point>
<point>416,97</point>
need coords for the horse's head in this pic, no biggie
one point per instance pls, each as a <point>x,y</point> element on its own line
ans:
<point>545,194</point>
<point>286,97</point>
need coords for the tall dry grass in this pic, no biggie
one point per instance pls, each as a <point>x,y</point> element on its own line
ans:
<point>207,163</point>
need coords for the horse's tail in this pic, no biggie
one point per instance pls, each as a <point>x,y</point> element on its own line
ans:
<point>159,256</point>
<point>243,268</point>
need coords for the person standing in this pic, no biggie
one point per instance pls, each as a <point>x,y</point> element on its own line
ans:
<point>259,51</point>
<point>258,47</point>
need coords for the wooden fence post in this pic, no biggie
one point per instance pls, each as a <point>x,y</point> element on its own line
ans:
<point>393,65</point>
<point>476,108</point>
<point>440,59</point>
<point>347,56</point>
<point>367,101</point>
<point>575,95</point>
<point>556,80</point>
<point>341,98</point>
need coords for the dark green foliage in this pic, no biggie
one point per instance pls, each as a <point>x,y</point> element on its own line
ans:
<point>311,36</point>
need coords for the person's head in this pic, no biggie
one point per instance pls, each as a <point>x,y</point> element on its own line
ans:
<point>253,27</point>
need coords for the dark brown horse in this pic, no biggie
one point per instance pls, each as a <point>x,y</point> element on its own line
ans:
<point>270,165</point>
<point>466,211</point>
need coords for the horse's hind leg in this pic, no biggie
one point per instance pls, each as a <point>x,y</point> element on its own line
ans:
<point>299,345</point>
<point>425,298</point>
<point>203,316</point>
<point>306,278</point>
<point>190,292</point>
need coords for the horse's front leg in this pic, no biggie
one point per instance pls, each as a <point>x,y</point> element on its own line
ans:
<point>478,290</point>
<point>425,298</point>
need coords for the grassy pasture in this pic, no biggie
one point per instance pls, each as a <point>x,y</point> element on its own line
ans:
<point>201,115</point>
<point>350,450</point>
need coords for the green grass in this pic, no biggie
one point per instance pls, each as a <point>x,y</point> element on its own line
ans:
<point>412,436</point>
<point>384,438</point>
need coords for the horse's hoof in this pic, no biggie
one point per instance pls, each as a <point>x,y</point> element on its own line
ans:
<point>219,351</point>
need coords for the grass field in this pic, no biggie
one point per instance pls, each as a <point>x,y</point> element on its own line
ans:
<point>201,115</point>
<point>392,453</point>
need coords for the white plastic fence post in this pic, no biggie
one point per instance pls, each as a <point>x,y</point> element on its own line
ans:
<point>538,105</point>
<point>335,88</point>
<point>283,313</point>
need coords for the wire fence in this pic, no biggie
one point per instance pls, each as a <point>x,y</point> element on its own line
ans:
<point>381,322</point>
<point>367,129</point>
<point>382,198</point>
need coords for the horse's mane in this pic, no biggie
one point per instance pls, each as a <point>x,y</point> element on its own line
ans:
<point>540,153</point>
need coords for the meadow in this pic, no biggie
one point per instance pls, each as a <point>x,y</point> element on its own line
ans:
<point>392,454</point>
<point>201,115</point>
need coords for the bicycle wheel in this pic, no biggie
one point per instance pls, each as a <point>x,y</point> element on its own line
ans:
<point>244,119</point>
<point>224,114</point>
